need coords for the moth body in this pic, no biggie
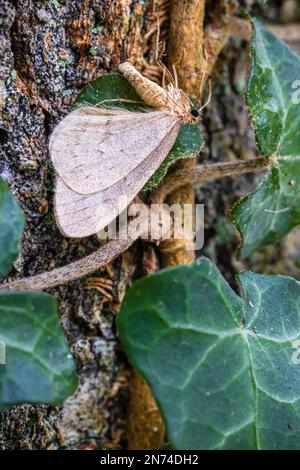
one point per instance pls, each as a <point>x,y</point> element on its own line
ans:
<point>151,93</point>
<point>171,99</point>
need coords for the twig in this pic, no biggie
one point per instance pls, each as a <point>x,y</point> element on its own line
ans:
<point>242,28</point>
<point>288,33</point>
<point>105,254</point>
<point>74,270</point>
<point>204,173</point>
<point>218,32</point>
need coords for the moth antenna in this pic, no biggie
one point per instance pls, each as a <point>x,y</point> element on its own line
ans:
<point>167,72</point>
<point>204,73</point>
<point>208,99</point>
<point>189,100</point>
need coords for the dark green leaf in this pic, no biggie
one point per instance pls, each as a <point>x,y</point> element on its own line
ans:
<point>224,370</point>
<point>274,69</point>
<point>269,213</point>
<point>115,86</point>
<point>39,367</point>
<point>11,228</point>
<point>110,87</point>
<point>188,144</point>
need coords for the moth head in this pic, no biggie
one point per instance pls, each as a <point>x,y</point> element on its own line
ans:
<point>192,115</point>
<point>195,113</point>
<point>180,104</point>
<point>191,112</point>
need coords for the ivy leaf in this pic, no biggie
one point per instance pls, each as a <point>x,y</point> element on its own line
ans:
<point>114,86</point>
<point>188,145</point>
<point>269,213</point>
<point>12,225</point>
<point>223,369</point>
<point>111,86</point>
<point>39,367</point>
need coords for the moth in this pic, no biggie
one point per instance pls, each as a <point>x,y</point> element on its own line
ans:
<point>104,156</point>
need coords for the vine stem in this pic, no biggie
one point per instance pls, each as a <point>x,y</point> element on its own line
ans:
<point>242,28</point>
<point>108,252</point>
<point>205,173</point>
<point>75,270</point>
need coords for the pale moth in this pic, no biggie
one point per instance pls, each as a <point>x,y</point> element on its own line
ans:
<point>104,156</point>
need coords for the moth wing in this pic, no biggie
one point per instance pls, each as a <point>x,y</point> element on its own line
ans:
<point>81,215</point>
<point>94,148</point>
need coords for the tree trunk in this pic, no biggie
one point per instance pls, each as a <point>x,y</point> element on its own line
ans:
<point>49,51</point>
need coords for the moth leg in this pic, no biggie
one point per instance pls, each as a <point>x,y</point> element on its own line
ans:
<point>102,285</point>
<point>175,102</point>
<point>175,75</point>
<point>150,71</point>
<point>174,65</point>
<point>164,79</point>
<point>159,54</point>
<point>110,271</point>
<point>166,71</point>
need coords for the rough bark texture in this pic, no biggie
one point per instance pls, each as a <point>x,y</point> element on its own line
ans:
<point>49,50</point>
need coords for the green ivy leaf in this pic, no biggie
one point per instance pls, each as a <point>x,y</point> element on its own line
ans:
<point>224,369</point>
<point>110,87</point>
<point>39,367</point>
<point>11,228</point>
<point>275,67</point>
<point>114,86</point>
<point>188,145</point>
<point>269,213</point>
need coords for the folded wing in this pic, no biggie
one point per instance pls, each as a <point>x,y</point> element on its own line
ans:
<point>94,148</point>
<point>80,215</point>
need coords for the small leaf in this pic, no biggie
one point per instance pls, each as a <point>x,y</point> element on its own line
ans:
<point>39,367</point>
<point>269,213</point>
<point>114,86</point>
<point>223,369</point>
<point>11,228</point>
